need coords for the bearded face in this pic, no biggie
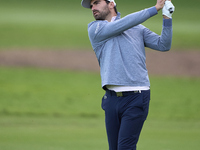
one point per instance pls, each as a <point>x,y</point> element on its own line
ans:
<point>100,9</point>
<point>101,14</point>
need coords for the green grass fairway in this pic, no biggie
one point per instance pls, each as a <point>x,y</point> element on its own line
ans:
<point>75,133</point>
<point>37,92</point>
<point>58,110</point>
<point>45,92</point>
<point>43,133</point>
<point>61,24</point>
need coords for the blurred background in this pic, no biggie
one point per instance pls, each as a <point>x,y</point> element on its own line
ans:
<point>50,87</point>
<point>63,23</point>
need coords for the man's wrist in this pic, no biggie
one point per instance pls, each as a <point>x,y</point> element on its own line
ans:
<point>165,17</point>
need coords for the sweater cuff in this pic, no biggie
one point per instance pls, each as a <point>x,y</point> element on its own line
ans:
<point>152,11</point>
<point>167,22</point>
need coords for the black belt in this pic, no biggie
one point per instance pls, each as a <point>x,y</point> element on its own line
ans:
<point>120,94</point>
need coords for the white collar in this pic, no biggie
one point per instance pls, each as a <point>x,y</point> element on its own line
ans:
<point>113,18</point>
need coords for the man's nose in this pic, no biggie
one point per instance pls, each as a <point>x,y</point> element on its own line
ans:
<point>93,8</point>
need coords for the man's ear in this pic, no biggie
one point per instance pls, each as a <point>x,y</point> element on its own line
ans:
<point>111,5</point>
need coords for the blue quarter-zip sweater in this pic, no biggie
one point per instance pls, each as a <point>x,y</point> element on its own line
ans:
<point>120,47</point>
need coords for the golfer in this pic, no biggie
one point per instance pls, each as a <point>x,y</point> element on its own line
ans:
<point>119,45</point>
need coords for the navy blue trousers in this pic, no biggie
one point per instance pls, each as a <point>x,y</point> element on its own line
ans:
<point>124,118</point>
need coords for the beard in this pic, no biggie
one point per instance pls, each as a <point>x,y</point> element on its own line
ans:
<point>101,15</point>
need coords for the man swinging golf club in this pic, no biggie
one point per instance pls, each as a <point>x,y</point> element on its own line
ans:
<point>119,45</point>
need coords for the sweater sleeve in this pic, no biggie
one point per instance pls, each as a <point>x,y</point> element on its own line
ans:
<point>101,30</point>
<point>162,42</point>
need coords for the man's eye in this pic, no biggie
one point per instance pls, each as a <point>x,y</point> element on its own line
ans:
<point>95,3</point>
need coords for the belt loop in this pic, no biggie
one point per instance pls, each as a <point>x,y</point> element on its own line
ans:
<point>139,91</point>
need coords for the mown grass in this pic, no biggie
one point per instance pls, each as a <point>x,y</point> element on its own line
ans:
<point>47,133</point>
<point>55,110</point>
<point>64,93</point>
<point>75,133</point>
<point>63,24</point>
<point>37,92</point>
